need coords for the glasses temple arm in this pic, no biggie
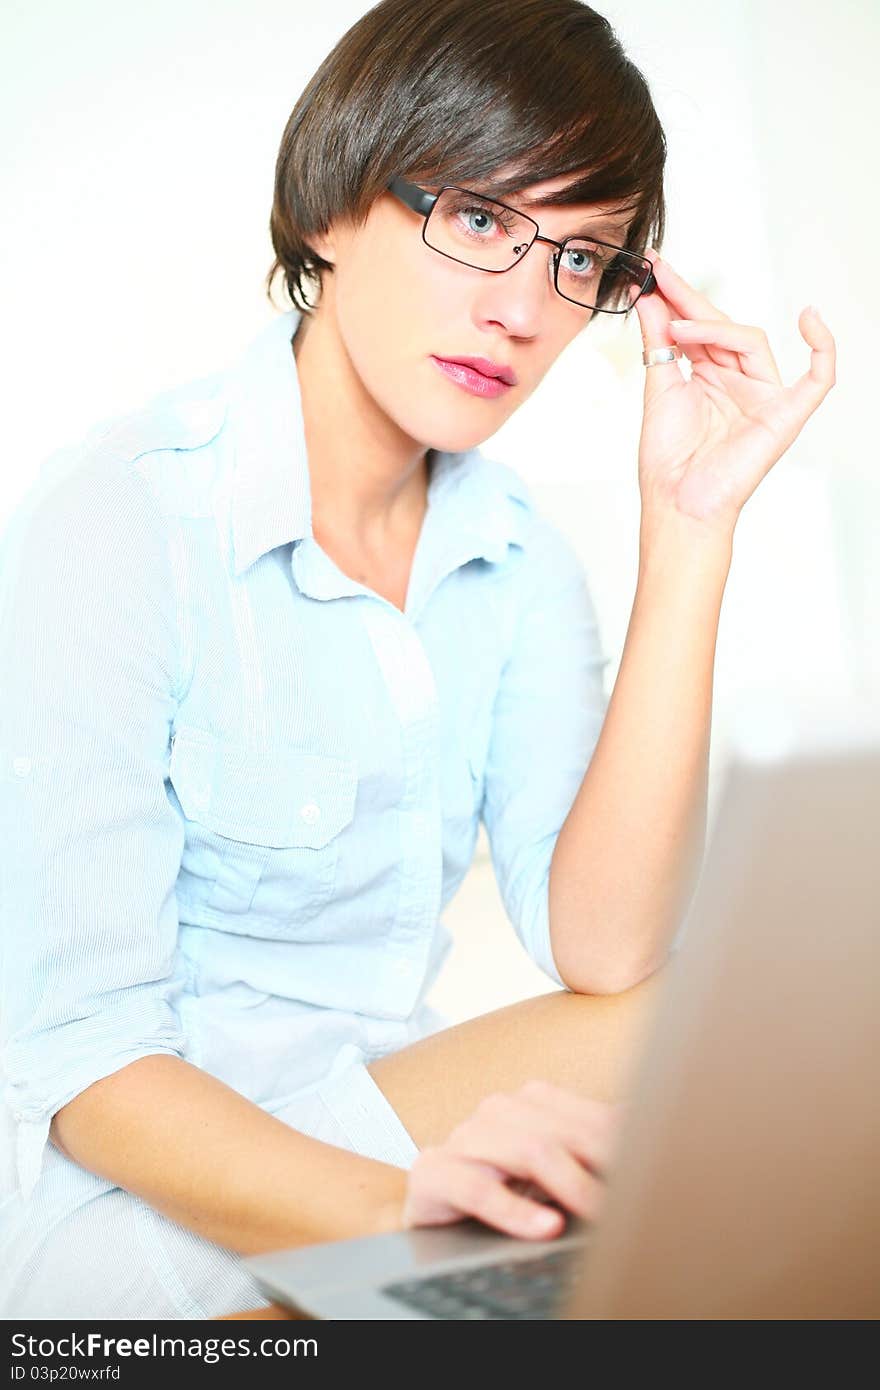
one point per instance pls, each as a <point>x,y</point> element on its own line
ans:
<point>416,198</point>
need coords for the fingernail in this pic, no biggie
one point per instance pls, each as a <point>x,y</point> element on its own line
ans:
<point>815,312</point>
<point>677,323</point>
<point>544,1220</point>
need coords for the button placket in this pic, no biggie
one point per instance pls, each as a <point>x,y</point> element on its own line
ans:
<point>410,682</point>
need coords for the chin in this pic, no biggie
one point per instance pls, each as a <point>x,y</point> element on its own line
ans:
<point>450,441</point>
<point>456,432</point>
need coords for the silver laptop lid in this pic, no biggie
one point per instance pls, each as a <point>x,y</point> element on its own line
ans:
<point>747,1178</point>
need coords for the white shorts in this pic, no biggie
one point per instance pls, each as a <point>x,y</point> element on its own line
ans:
<point>116,1257</point>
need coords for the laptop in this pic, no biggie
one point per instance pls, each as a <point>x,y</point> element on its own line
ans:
<point>745,1181</point>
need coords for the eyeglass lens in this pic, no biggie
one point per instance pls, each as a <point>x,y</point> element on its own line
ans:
<point>489,236</point>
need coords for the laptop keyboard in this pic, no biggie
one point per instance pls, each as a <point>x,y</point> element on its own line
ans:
<point>525,1288</point>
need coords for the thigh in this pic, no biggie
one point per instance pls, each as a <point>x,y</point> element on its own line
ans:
<point>587,1042</point>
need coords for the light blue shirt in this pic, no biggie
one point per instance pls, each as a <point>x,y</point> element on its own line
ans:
<point>237,787</point>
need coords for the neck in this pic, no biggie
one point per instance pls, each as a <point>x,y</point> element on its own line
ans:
<point>368,478</point>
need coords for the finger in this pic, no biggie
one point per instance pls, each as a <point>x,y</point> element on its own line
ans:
<point>747,347</point>
<point>654,315</point>
<point>535,1157</point>
<point>586,1126</point>
<point>524,1140</point>
<point>811,389</point>
<point>687,302</point>
<point>589,1127</point>
<point>788,411</point>
<point>475,1192</point>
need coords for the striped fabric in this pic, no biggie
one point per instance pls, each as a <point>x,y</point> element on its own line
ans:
<point>238,788</point>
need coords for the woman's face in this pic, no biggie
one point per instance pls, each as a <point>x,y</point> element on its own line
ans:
<point>396,304</point>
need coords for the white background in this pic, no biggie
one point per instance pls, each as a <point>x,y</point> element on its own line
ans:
<point>139,146</point>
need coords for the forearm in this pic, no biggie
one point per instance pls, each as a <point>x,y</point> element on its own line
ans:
<point>627,856</point>
<point>213,1161</point>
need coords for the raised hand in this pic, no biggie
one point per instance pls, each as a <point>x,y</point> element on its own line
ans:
<point>706,443</point>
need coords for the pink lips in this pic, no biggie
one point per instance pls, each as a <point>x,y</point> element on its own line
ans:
<point>477,374</point>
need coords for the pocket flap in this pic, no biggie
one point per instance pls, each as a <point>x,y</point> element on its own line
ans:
<point>274,795</point>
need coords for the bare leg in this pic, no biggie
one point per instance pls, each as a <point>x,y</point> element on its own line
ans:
<point>587,1042</point>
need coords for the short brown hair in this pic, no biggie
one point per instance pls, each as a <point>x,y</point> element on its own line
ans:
<point>451,91</point>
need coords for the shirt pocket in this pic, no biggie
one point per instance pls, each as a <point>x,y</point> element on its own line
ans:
<point>263,829</point>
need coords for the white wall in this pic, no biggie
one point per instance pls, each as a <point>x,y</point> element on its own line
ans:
<point>139,148</point>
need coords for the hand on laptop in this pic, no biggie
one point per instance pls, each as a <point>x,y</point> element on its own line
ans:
<point>516,1153</point>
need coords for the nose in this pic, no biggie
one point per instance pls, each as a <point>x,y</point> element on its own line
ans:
<point>517,297</point>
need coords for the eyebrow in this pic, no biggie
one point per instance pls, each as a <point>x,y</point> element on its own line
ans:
<point>596,227</point>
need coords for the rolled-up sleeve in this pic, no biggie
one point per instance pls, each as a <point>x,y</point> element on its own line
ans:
<point>548,714</point>
<point>91,843</point>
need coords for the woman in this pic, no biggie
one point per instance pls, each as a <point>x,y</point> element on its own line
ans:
<point>278,642</point>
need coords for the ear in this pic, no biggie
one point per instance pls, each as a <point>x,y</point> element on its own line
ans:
<point>324,244</point>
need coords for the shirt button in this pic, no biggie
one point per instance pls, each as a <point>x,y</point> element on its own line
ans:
<point>310,813</point>
<point>420,820</point>
<point>21,766</point>
<point>200,798</point>
<point>403,967</point>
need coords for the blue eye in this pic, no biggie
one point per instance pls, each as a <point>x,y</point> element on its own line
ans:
<point>478,212</point>
<point>465,212</point>
<point>588,262</point>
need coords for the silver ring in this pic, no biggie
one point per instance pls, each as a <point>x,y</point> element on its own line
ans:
<point>652,357</point>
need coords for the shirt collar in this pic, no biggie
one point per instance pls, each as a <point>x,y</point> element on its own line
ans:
<point>481,505</point>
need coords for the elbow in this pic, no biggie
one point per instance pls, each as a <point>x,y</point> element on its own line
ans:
<point>612,977</point>
<point>60,1120</point>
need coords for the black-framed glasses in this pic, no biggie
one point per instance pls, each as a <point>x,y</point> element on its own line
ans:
<point>488,235</point>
